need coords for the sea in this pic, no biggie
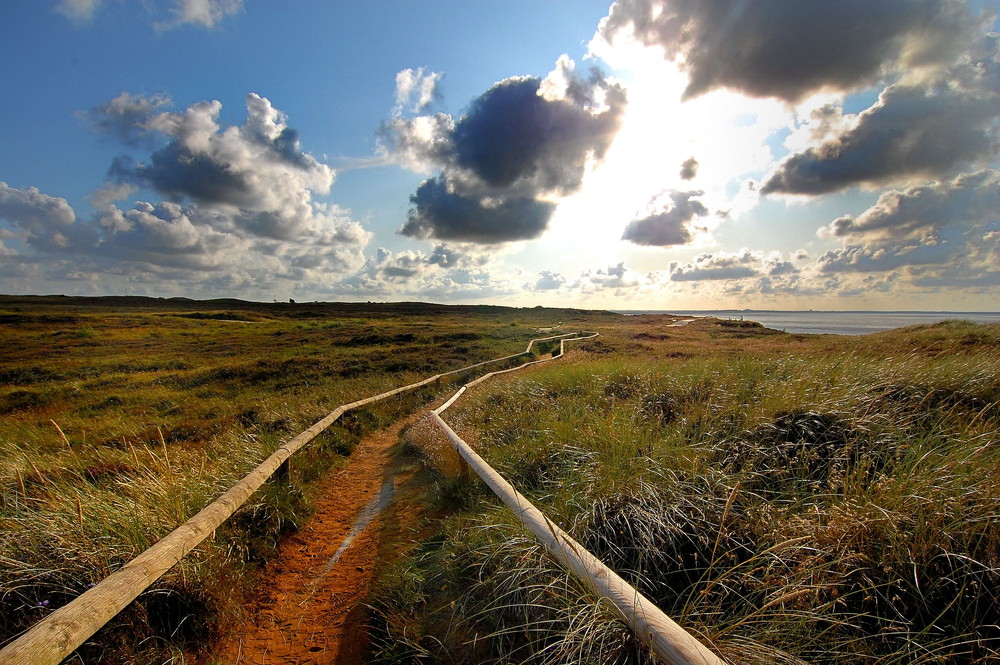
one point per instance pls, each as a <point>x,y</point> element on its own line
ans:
<point>831,322</point>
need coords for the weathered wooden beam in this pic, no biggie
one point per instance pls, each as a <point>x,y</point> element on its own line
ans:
<point>665,638</point>
<point>55,637</point>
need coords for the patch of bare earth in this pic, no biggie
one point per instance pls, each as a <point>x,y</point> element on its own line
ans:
<point>311,611</point>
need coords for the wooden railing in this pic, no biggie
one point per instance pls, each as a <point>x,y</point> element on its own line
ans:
<point>56,636</point>
<point>53,639</point>
<point>668,641</point>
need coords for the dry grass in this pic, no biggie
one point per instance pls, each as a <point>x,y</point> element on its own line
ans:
<point>790,499</point>
<point>119,419</point>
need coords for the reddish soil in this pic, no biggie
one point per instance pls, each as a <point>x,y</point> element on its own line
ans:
<point>311,610</point>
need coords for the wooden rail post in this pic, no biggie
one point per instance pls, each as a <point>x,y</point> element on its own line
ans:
<point>283,476</point>
<point>54,638</point>
<point>666,639</point>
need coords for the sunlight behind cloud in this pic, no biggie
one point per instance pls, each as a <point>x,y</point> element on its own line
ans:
<point>724,134</point>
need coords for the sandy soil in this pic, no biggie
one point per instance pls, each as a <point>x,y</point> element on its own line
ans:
<point>311,610</point>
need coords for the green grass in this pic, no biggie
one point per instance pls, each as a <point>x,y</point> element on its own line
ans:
<point>788,499</point>
<point>121,418</point>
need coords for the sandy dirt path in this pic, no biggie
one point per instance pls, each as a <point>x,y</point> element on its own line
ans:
<point>311,610</point>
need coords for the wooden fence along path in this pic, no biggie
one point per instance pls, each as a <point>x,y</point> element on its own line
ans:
<point>668,641</point>
<point>53,639</point>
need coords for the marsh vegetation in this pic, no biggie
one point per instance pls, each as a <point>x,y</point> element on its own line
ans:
<point>121,418</point>
<point>786,498</point>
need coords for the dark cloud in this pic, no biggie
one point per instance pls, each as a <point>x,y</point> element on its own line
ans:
<point>689,169</point>
<point>177,172</point>
<point>671,227</point>
<point>445,256</point>
<point>910,131</point>
<point>945,234</point>
<point>970,199</point>
<point>512,135</point>
<point>861,258</point>
<point>124,117</point>
<point>439,213</point>
<point>524,141</point>
<point>791,48</point>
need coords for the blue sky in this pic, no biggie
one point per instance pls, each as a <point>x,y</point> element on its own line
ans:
<point>649,154</point>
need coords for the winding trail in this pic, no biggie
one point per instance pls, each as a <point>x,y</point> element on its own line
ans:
<point>311,611</point>
<point>311,608</point>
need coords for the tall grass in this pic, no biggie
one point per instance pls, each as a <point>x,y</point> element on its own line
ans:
<point>834,501</point>
<point>117,425</point>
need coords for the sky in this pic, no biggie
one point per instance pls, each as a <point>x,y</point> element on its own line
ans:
<point>647,154</point>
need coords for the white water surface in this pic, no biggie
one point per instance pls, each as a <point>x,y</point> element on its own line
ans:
<point>832,322</point>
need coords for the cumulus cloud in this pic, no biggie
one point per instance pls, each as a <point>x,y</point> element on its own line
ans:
<point>44,222</point>
<point>168,235</point>
<point>790,50</point>
<point>616,278</point>
<point>970,199</point>
<point>978,271</point>
<point>825,123</point>
<point>255,175</point>
<point>944,234</point>
<point>412,266</point>
<point>689,169</point>
<point>730,266</point>
<point>672,226</point>
<point>420,144</point>
<point>240,213</point>
<point>416,89</point>
<point>404,265</point>
<point>103,197</point>
<point>440,212</point>
<point>446,257</point>
<point>547,281</point>
<point>861,258</point>
<point>448,273</point>
<point>124,117</point>
<point>521,143</point>
<point>911,132</point>
<point>30,208</point>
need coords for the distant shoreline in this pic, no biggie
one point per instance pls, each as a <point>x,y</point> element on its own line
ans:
<point>831,322</point>
<point>711,312</point>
